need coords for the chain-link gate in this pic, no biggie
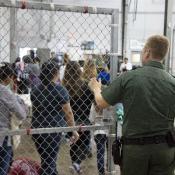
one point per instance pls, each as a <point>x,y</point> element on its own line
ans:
<point>55,51</point>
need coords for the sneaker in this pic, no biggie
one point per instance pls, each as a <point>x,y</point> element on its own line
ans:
<point>75,169</point>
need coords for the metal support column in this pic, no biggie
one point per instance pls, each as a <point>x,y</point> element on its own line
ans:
<point>125,8</point>
<point>168,28</point>
<point>114,44</point>
<point>172,53</point>
<point>113,73</point>
<point>13,48</point>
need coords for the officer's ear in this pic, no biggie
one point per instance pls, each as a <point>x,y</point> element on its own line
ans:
<point>147,53</point>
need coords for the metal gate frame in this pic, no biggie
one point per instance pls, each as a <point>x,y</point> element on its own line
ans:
<point>12,4</point>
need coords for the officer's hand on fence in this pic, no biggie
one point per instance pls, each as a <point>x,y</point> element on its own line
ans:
<point>94,84</point>
<point>75,137</point>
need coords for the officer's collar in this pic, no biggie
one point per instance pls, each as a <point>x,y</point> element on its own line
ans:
<point>155,64</point>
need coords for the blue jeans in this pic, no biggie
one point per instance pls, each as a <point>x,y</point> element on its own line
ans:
<point>47,146</point>
<point>6,154</point>
<point>100,140</point>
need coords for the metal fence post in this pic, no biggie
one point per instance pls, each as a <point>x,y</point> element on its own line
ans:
<point>114,44</point>
<point>13,51</point>
<point>168,29</point>
<point>172,52</point>
<point>113,72</point>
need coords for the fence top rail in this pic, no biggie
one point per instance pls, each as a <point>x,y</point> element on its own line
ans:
<point>29,131</point>
<point>54,7</point>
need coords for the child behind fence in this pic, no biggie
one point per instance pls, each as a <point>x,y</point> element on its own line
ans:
<point>51,108</point>
<point>81,101</point>
<point>100,136</point>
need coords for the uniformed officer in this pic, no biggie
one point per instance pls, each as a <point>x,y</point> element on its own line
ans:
<point>148,96</point>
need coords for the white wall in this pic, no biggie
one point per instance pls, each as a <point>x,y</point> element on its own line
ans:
<point>33,29</point>
<point>149,21</point>
<point>144,26</point>
<point>62,31</point>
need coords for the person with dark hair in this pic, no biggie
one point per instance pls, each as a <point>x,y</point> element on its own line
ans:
<point>18,59</point>
<point>51,108</point>
<point>17,67</point>
<point>81,99</point>
<point>10,104</point>
<point>52,55</point>
<point>27,59</point>
<point>37,60</point>
<point>29,76</point>
<point>32,54</point>
<point>34,72</point>
<point>24,83</point>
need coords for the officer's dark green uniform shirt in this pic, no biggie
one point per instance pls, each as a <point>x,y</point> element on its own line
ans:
<point>148,96</point>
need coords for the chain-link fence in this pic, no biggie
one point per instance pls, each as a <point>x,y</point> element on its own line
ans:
<point>54,51</point>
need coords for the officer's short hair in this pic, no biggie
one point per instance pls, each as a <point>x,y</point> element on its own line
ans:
<point>158,45</point>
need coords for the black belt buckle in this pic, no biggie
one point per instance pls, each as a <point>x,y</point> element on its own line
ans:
<point>157,139</point>
<point>141,141</point>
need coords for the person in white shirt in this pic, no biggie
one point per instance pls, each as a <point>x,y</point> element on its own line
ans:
<point>125,65</point>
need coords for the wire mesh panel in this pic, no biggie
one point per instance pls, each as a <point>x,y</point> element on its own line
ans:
<point>54,56</point>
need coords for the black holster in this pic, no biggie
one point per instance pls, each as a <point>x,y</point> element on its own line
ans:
<point>116,151</point>
<point>170,137</point>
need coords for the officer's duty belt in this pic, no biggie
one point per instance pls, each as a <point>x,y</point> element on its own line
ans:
<point>144,140</point>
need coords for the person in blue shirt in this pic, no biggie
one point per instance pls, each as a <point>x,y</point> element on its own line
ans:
<point>51,108</point>
<point>103,75</point>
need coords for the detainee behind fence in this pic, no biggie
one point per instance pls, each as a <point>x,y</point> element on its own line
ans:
<point>89,71</point>
<point>11,105</point>
<point>148,96</point>
<point>97,115</point>
<point>81,99</point>
<point>51,108</point>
